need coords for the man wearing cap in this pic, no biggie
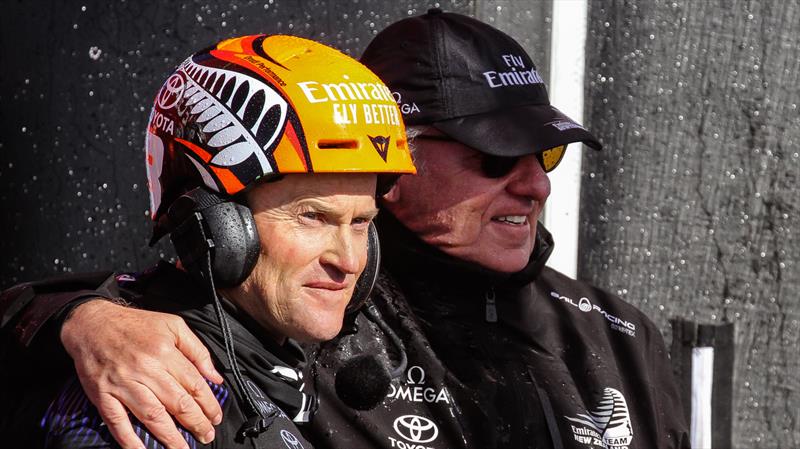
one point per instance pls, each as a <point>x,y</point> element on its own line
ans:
<point>501,350</point>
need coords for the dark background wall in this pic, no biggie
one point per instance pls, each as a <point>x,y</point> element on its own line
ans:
<point>692,209</point>
<point>77,88</point>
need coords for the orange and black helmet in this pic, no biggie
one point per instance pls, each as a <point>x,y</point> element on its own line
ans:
<point>260,106</point>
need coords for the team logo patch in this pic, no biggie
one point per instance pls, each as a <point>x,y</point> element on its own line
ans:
<point>607,426</point>
<point>381,144</point>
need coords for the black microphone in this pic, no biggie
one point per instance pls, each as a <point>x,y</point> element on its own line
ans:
<point>364,381</point>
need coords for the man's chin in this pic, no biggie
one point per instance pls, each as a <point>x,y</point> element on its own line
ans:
<point>503,260</point>
<point>506,266</point>
<point>320,337</point>
<point>320,332</point>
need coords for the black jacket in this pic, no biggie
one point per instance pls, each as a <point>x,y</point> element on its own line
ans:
<point>272,373</point>
<point>530,360</point>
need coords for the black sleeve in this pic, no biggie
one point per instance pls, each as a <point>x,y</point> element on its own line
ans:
<point>33,368</point>
<point>38,308</point>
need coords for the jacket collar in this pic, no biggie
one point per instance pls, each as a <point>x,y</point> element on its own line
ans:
<point>405,254</point>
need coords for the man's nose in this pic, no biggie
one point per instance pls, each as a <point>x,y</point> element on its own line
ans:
<point>345,251</point>
<point>529,179</point>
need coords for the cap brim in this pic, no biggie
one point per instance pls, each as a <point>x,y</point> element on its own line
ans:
<point>517,131</point>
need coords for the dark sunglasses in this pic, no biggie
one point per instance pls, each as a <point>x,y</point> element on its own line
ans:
<point>498,166</point>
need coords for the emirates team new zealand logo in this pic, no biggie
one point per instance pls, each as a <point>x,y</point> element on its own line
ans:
<point>607,426</point>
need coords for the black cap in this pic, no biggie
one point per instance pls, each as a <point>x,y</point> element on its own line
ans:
<point>471,81</point>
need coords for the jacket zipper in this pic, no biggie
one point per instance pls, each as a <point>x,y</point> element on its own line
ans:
<point>491,306</point>
<point>549,413</point>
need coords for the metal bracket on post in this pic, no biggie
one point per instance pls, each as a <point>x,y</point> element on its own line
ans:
<point>702,360</point>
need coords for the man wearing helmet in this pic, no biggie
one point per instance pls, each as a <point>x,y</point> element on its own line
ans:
<point>268,198</point>
<point>502,351</point>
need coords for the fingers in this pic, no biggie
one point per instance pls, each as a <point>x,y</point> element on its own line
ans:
<point>191,372</point>
<point>195,392</point>
<point>194,350</point>
<point>152,404</point>
<point>186,396</point>
<point>138,358</point>
<point>116,418</point>
<point>143,404</point>
<point>152,414</point>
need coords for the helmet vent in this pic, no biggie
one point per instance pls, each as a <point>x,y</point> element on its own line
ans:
<point>337,144</point>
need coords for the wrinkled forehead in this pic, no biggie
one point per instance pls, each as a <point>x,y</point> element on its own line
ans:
<point>322,187</point>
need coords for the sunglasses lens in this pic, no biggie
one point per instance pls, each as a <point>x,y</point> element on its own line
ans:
<point>497,166</point>
<point>550,158</point>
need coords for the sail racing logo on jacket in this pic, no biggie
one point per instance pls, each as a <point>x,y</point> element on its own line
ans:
<point>607,426</point>
<point>415,389</point>
<point>584,305</point>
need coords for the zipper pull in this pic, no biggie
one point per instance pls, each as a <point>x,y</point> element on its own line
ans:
<point>491,306</point>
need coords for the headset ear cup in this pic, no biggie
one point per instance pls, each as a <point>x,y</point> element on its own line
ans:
<point>206,222</point>
<point>367,279</point>
<point>236,246</point>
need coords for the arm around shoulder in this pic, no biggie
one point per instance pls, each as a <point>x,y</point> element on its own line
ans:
<point>32,313</point>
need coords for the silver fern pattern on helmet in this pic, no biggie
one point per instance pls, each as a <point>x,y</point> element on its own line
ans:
<point>610,418</point>
<point>238,115</point>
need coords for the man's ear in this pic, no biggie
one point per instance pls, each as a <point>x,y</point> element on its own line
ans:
<point>393,195</point>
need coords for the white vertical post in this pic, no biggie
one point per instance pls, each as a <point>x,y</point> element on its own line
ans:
<point>702,381</point>
<point>567,61</point>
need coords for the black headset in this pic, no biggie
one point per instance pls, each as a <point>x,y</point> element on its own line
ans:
<point>204,222</point>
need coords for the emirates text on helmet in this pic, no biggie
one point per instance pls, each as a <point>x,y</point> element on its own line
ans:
<point>321,92</point>
<point>341,95</point>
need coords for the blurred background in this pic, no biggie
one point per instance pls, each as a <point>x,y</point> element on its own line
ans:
<point>691,211</point>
